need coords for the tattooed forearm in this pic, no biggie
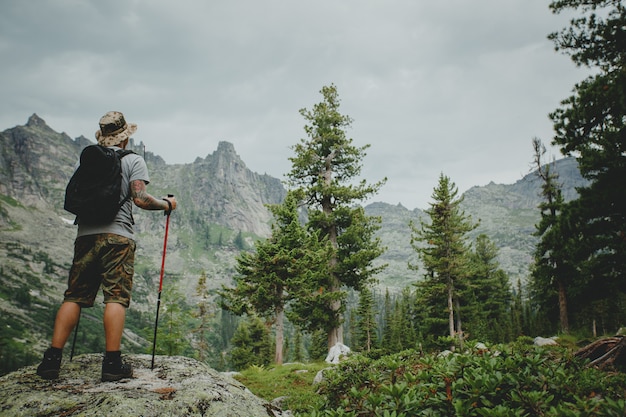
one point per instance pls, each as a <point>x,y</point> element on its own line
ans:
<point>142,199</point>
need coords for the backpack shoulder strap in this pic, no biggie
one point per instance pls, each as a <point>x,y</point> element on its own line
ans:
<point>120,154</point>
<point>123,152</point>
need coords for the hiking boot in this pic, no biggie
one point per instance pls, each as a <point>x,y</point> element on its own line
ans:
<point>113,369</point>
<point>50,364</point>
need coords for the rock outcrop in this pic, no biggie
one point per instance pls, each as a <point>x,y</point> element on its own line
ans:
<point>177,386</point>
<point>231,194</point>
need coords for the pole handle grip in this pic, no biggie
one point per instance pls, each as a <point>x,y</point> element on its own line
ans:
<point>168,212</point>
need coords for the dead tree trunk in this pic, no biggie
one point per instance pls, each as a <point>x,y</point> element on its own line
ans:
<point>606,354</point>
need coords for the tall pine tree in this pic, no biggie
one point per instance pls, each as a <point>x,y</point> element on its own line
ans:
<point>325,167</point>
<point>366,337</point>
<point>205,314</point>
<point>444,252</point>
<point>552,272</point>
<point>591,125</point>
<point>487,298</point>
<point>280,270</point>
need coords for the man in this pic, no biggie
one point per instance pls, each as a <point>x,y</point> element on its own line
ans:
<point>104,257</point>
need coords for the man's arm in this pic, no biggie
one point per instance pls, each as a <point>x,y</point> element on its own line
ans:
<point>145,201</point>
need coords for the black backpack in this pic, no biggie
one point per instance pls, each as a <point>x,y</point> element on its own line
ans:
<point>93,193</point>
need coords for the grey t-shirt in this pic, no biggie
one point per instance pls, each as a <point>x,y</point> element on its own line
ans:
<point>133,168</point>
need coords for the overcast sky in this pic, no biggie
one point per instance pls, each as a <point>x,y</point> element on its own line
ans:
<point>457,87</point>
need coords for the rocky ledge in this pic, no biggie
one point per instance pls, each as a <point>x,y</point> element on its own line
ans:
<point>177,386</point>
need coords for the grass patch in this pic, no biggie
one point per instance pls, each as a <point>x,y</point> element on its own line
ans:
<point>9,200</point>
<point>294,381</point>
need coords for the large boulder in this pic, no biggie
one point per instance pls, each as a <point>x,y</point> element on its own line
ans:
<point>545,341</point>
<point>177,386</point>
<point>337,352</point>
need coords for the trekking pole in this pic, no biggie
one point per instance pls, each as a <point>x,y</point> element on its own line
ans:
<point>75,333</point>
<point>156,322</point>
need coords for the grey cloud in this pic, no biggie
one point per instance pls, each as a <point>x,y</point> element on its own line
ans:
<point>455,86</point>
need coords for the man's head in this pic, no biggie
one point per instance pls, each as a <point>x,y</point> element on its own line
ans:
<point>114,130</point>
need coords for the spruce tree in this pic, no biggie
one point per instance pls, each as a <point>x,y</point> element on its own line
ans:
<point>395,325</point>
<point>318,346</point>
<point>239,241</point>
<point>325,167</point>
<point>487,297</point>
<point>251,344</point>
<point>518,322</point>
<point>366,338</point>
<point>553,271</point>
<point>591,125</point>
<point>298,352</point>
<point>406,317</point>
<point>204,315</point>
<point>387,333</point>
<point>206,235</point>
<point>172,327</point>
<point>228,323</point>
<point>442,247</point>
<point>278,271</point>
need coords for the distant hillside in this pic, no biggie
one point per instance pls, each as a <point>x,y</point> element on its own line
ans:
<point>507,214</point>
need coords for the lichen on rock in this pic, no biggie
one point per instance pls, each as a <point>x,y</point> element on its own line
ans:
<point>177,386</point>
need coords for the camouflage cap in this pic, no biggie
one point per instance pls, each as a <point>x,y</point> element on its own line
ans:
<point>114,129</point>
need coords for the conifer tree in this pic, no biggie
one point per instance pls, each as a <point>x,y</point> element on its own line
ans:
<point>591,125</point>
<point>228,323</point>
<point>172,327</point>
<point>204,316</point>
<point>279,271</point>
<point>298,352</point>
<point>430,321</point>
<point>395,326</point>
<point>366,322</point>
<point>318,347</point>
<point>350,329</point>
<point>405,320</point>
<point>552,272</point>
<point>206,235</point>
<point>517,311</point>
<point>388,322</point>
<point>325,167</point>
<point>239,241</point>
<point>487,295</point>
<point>251,344</point>
<point>444,253</point>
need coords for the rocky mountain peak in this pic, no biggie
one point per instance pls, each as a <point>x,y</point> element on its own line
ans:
<point>227,148</point>
<point>227,163</point>
<point>39,125</point>
<point>33,162</point>
<point>36,121</point>
<point>232,195</point>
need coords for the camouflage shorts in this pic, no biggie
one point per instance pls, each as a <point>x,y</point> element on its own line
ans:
<point>105,260</point>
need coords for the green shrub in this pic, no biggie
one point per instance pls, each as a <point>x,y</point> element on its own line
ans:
<point>520,380</point>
